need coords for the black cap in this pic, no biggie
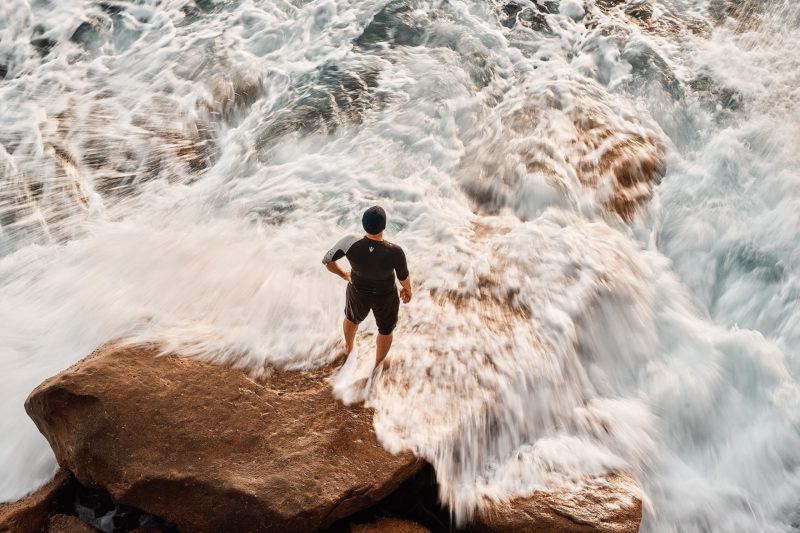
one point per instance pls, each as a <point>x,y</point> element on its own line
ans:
<point>374,220</point>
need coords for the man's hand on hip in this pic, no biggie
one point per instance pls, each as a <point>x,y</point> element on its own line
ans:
<point>333,267</point>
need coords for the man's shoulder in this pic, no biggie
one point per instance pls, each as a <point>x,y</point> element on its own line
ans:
<point>340,249</point>
<point>392,246</point>
<point>347,241</point>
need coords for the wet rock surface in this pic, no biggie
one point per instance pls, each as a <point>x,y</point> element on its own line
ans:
<point>610,505</point>
<point>621,164</point>
<point>513,13</point>
<point>167,434</point>
<point>323,102</point>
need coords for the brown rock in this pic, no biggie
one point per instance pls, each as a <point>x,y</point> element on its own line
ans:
<point>633,166</point>
<point>626,166</point>
<point>29,514</point>
<point>209,449</point>
<point>620,164</point>
<point>62,523</point>
<point>149,528</point>
<point>389,525</point>
<point>613,505</point>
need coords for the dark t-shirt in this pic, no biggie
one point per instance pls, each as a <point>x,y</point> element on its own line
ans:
<point>374,263</point>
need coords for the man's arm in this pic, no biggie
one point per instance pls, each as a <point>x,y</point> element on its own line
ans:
<point>337,252</point>
<point>401,269</point>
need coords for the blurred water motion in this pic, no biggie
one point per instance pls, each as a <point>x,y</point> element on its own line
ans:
<point>598,199</point>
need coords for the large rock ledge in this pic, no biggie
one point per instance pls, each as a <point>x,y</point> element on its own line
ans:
<point>207,449</point>
<point>210,450</point>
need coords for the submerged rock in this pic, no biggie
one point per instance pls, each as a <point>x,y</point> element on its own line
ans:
<point>29,514</point>
<point>208,449</point>
<point>62,523</point>
<point>543,141</point>
<point>389,525</point>
<point>149,528</point>
<point>610,505</point>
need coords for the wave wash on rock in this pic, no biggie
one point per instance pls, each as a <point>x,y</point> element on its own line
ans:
<point>545,394</point>
<point>598,204</point>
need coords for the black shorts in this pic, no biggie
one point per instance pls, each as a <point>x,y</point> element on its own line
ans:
<point>385,308</point>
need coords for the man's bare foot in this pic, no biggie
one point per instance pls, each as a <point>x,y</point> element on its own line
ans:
<point>348,349</point>
<point>385,364</point>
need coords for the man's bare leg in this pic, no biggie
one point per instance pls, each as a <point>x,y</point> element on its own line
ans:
<point>349,334</point>
<point>384,343</point>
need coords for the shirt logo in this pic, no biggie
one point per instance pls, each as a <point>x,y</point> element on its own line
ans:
<point>371,248</point>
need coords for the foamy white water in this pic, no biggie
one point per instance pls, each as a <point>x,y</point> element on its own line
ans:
<point>174,171</point>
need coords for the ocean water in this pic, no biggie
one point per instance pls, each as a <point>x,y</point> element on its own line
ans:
<point>599,201</point>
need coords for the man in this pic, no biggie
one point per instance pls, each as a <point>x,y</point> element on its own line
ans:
<point>371,286</point>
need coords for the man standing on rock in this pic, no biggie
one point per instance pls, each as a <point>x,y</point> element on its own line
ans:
<point>371,286</point>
